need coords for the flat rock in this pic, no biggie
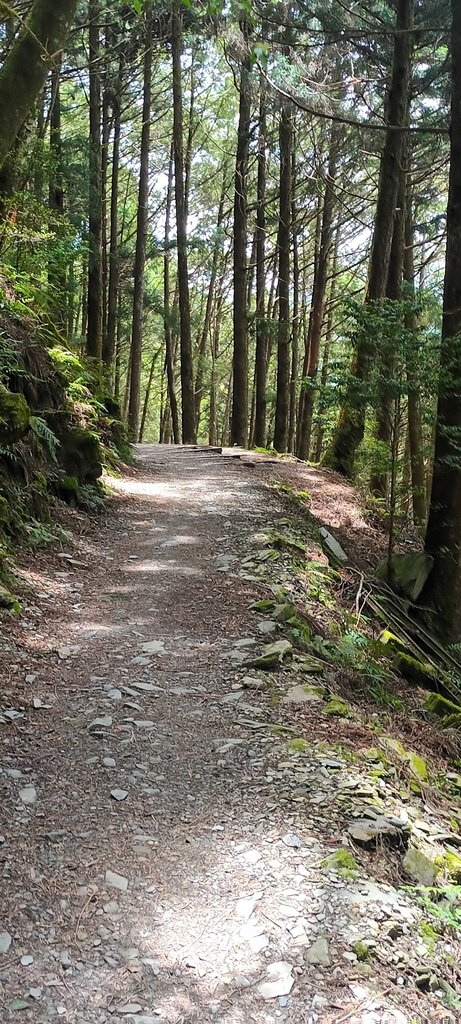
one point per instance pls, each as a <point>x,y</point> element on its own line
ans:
<point>68,652</point>
<point>5,942</point>
<point>28,795</point>
<point>301,694</point>
<point>116,881</point>
<point>319,953</point>
<point>290,839</point>
<point>119,794</point>
<point>104,722</point>
<point>279,980</point>
<point>153,647</point>
<point>419,867</point>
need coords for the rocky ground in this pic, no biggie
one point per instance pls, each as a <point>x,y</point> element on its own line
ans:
<point>201,820</point>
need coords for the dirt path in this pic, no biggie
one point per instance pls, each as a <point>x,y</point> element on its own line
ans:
<point>160,846</point>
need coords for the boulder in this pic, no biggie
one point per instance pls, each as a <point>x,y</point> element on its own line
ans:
<point>14,416</point>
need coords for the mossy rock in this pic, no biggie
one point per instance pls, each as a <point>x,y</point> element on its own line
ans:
<point>452,865</point>
<point>14,416</point>
<point>419,672</point>
<point>79,454</point>
<point>407,574</point>
<point>342,862</point>
<point>422,870</point>
<point>338,708</point>
<point>445,709</point>
<point>266,605</point>
<point>363,950</point>
<point>8,600</point>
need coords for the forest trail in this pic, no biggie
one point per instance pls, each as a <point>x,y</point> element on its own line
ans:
<point>161,844</point>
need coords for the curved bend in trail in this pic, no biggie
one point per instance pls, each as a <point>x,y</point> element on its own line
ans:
<point>157,867</point>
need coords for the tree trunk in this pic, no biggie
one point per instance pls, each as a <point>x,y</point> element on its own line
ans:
<point>239,417</point>
<point>318,302</point>
<point>415,429</point>
<point>109,341</point>
<point>148,391</point>
<point>217,249</point>
<point>259,432</point>
<point>326,347</point>
<point>56,267</point>
<point>295,324</point>
<point>443,539</point>
<point>384,426</point>
<point>169,359</point>
<point>141,238</point>
<point>282,401</point>
<point>351,423</point>
<point>25,68</point>
<point>317,235</point>
<point>94,320</point>
<point>187,370</point>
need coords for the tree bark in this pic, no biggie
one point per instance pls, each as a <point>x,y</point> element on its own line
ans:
<point>295,323</point>
<point>259,432</point>
<point>141,238</point>
<point>109,341</point>
<point>56,266</point>
<point>282,401</point>
<point>169,355</point>
<point>443,539</point>
<point>217,250</point>
<point>187,369</point>
<point>318,302</point>
<point>94,319</point>
<point>239,416</point>
<point>24,71</point>
<point>415,430</point>
<point>351,422</point>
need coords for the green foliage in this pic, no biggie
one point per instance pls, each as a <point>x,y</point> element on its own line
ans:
<point>46,436</point>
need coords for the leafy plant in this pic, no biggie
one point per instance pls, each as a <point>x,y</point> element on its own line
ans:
<point>45,435</point>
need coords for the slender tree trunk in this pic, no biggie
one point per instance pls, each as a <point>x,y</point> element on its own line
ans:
<point>282,402</point>
<point>56,268</point>
<point>94,324</point>
<point>351,423</point>
<point>106,126</point>
<point>141,238</point>
<point>259,433</point>
<point>318,301</point>
<point>326,347</point>
<point>317,236</point>
<point>415,429</point>
<point>295,319</point>
<point>150,379</point>
<point>169,359</point>
<point>239,418</point>
<point>187,370</point>
<point>379,482</point>
<point>109,341</point>
<point>217,250</point>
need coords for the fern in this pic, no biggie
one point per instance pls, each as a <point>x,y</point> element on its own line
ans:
<point>46,436</point>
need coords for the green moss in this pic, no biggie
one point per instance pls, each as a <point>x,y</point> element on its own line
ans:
<point>452,865</point>
<point>14,416</point>
<point>342,862</point>
<point>418,672</point>
<point>418,765</point>
<point>299,746</point>
<point>441,706</point>
<point>337,707</point>
<point>362,950</point>
<point>262,606</point>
